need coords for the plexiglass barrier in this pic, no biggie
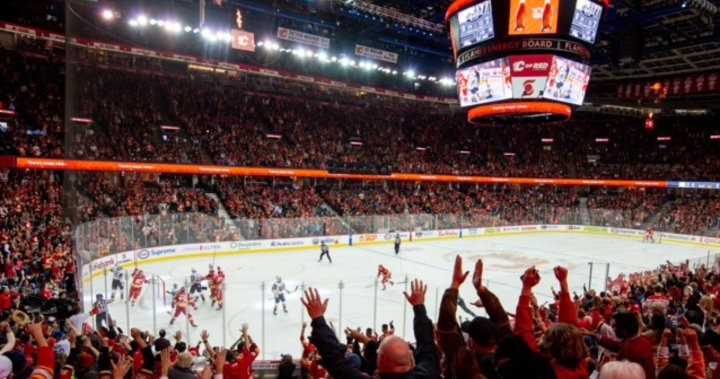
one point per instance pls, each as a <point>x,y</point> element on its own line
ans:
<point>169,247</point>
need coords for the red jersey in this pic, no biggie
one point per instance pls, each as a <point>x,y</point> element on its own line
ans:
<point>138,280</point>
<point>308,350</point>
<point>181,300</point>
<point>218,279</point>
<point>383,271</point>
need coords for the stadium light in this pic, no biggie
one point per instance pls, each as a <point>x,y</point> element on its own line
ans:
<point>153,22</point>
<point>715,136</point>
<point>161,23</point>
<point>602,140</point>
<point>142,20</point>
<point>547,140</point>
<point>334,58</point>
<point>664,138</point>
<point>133,23</point>
<point>108,14</point>
<point>196,30</point>
<point>260,44</point>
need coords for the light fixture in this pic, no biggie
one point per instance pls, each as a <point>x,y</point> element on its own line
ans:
<point>107,14</point>
<point>142,20</point>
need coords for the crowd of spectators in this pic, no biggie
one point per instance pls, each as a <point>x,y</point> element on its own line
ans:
<point>626,209</point>
<point>691,212</point>
<point>250,120</point>
<point>654,324</point>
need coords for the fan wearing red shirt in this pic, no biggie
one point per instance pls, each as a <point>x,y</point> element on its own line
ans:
<point>241,367</point>
<point>308,349</point>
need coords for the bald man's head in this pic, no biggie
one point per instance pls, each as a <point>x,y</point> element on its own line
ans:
<point>394,356</point>
<point>184,360</point>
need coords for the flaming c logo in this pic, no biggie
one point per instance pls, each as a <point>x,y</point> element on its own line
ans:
<point>528,87</point>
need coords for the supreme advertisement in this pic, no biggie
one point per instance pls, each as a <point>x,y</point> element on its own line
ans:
<point>529,75</point>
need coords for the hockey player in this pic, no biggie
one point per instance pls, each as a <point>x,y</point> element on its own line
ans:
<point>279,290</point>
<point>196,279</point>
<point>324,251</point>
<point>138,279</point>
<point>649,236</point>
<point>216,283</point>
<point>386,276</point>
<point>181,300</point>
<point>117,281</point>
<point>397,243</point>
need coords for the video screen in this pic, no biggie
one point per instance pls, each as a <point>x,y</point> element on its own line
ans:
<point>586,20</point>
<point>567,81</point>
<point>484,83</point>
<point>533,16</point>
<point>476,24</point>
<point>529,75</point>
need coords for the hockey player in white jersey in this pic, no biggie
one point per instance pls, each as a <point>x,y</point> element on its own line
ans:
<point>279,290</point>
<point>117,281</point>
<point>196,279</point>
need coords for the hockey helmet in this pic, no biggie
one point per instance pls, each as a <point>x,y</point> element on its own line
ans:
<point>193,270</point>
<point>99,296</point>
<point>278,278</point>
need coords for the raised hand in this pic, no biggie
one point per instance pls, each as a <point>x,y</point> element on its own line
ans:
<point>314,305</point>
<point>561,273</point>
<point>417,292</point>
<point>477,276</point>
<point>120,369</point>
<point>530,278</point>
<point>458,275</point>
<point>178,336</point>
<point>204,335</point>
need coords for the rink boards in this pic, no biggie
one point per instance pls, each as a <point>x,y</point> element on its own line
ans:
<point>173,252</point>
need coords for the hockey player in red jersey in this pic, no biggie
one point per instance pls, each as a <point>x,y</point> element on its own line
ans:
<point>180,302</point>
<point>138,279</point>
<point>216,293</point>
<point>386,276</point>
<point>649,235</point>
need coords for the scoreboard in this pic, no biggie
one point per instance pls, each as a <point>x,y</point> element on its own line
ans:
<point>522,58</point>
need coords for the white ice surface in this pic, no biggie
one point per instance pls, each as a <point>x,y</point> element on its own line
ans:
<point>505,258</point>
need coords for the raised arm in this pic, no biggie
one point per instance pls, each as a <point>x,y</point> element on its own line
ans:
<point>461,360</point>
<point>492,304</point>
<point>427,355</point>
<point>523,314</point>
<point>566,312</point>
<point>325,341</point>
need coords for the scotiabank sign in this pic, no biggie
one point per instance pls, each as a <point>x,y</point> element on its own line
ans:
<point>242,40</point>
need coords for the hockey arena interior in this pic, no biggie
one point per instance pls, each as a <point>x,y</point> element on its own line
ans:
<point>315,189</point>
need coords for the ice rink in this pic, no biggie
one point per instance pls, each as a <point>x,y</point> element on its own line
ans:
<point>505,258</point>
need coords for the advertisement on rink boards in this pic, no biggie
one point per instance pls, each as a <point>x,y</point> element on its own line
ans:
<point>193,250</point>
